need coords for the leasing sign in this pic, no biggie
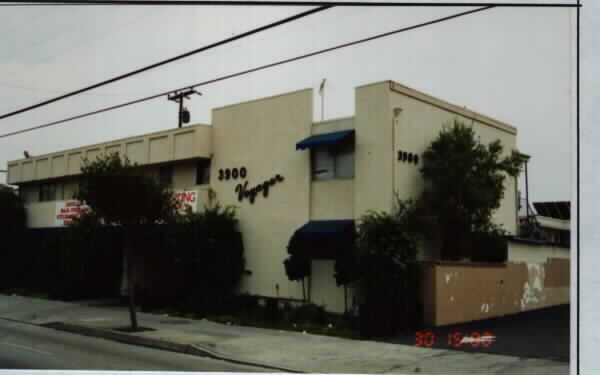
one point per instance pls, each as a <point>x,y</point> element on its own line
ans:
<point>67,211</point>
<point>187,201</point>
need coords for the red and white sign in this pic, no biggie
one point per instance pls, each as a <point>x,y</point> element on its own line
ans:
<point>66,211</point>
<point>187,201</point>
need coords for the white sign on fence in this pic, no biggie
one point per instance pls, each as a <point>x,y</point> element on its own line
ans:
<point>66,211</point>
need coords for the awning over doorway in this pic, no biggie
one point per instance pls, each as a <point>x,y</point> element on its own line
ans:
<point>322,239</point>
<point>327,139</point>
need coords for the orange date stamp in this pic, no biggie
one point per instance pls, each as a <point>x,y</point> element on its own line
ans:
<point>456,339</point>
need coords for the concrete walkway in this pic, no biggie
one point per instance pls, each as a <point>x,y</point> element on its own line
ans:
<point>273,349</point>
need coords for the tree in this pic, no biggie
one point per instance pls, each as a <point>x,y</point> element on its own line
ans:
<point>464,185</point>
<point>12,226</point>
<point>118,194</point>
<point>13,211</point>
<point>387,247</point>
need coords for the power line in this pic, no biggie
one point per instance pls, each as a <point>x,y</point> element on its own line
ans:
<point>163,62</point>
<point>289,3</point>
<point>262,67</point>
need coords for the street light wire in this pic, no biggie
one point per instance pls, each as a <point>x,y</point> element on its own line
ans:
<point>262,67</point>
<point>172,59</point>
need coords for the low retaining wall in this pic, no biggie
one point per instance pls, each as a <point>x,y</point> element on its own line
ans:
<point>535,276</point>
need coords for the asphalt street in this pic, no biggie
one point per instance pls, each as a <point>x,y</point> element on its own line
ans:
<point>25,346</point>
<point>543,333</point>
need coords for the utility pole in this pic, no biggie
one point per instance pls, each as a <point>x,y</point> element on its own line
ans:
<point>178,97</point>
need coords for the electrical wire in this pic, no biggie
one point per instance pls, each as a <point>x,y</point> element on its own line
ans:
<point>163,62</point>
<point>287,3</point>
<point>262,67</point>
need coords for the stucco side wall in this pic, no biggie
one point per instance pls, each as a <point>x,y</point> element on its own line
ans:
<point>333,125</point>
<point>261,135</point>
<point>417,124</point>
<point>324,291</point>
<point>374,154</point>
<point>41,214</point>
<point>332,200</point>
<point>535,277</point>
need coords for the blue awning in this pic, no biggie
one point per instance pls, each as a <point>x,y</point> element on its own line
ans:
<point>323,239</point>
<point>328,139</point>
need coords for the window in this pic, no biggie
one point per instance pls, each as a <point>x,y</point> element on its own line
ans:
<point>165,175</point>
<point>74,191</point>
<point>59,193</point>
<point>333,162</point>
<point>203,172</point>
<point>47,192</point>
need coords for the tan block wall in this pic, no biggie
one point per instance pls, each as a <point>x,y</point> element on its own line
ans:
<point>454,293</point>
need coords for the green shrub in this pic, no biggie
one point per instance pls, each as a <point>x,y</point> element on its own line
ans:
<point>208,249</point>
<point>387,248</point>
<point>309,313</point>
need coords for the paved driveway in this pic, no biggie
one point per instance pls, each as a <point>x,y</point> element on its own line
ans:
<point>541,333</point>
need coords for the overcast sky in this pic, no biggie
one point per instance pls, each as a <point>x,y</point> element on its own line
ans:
<point>513,64</point>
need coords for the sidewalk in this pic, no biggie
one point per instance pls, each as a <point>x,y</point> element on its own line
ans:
<point>276,350</point>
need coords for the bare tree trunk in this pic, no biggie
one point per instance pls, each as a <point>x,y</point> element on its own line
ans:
<point>345,298</point>
<point>131,284</point>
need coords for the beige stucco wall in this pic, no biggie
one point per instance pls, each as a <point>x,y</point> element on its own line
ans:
<point>261,135</point>
<point>535,276</point>
<point>169,145</point>
<point>374,155</point>
<point>324,291</point>
<point>332,200</point>
<point>333,125</point>
<point>41,214</point>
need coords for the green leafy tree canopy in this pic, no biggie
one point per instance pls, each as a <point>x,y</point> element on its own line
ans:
<point>118,193</point>
<point>465,182</point>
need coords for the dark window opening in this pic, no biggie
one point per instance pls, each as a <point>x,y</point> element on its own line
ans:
<point>165,175</point>
<point>47,192</point>
<point>203,172</point>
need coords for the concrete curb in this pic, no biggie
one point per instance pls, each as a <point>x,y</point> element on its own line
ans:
<point>190,349</point>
